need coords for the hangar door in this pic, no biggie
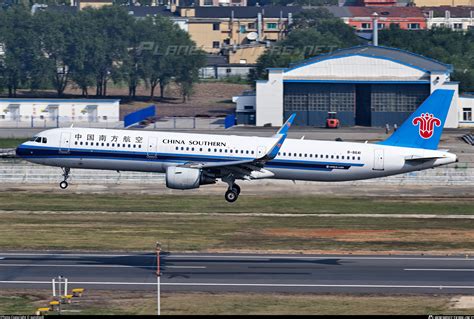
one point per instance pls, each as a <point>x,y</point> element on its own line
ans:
<point>312,101</point>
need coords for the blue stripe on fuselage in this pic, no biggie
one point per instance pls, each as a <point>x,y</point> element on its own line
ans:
<point>52,152</point>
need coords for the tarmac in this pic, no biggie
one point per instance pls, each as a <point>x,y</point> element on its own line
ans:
<point>242,272</point>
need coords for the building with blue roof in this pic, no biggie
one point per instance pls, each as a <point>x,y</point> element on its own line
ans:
<point>365,85</point>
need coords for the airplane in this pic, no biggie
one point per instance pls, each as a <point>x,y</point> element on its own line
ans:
<point>191,160</point>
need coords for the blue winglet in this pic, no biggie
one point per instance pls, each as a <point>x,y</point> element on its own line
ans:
<point>285,127</point>
<point>281,134</point>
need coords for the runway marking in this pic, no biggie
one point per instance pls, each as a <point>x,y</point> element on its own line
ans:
<point>437,269</point>
<point>239,285</point>
<point>99,266</point>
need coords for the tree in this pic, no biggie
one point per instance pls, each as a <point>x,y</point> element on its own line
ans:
<point>442,44</point>
<point>21,49</point>
<point>55,33</point>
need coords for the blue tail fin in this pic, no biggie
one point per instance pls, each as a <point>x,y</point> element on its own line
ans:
<point>424,127</point>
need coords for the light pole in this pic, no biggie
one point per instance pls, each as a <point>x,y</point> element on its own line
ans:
<point>158,276</point>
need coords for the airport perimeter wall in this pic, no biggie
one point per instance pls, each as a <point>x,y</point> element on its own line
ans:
<point>16,171</point>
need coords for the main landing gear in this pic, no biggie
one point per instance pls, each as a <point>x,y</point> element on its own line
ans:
<point>232,193</point>
<point>64,183</point>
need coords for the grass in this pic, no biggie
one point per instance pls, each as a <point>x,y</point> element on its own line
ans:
<point>11,142</point>
<point>140,231</point>
<point>215,204</point>
<point>143,303</point>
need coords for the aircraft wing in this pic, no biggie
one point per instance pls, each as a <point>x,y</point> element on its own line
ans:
<point>251,168</point>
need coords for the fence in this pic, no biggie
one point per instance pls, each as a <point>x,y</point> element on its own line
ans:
<point>61,121</point>
<point>18,171</point>
<point>160,123</point>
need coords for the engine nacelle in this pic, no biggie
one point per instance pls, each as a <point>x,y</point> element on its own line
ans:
<point>186,178</point>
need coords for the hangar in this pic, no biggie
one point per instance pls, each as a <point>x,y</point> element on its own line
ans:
<point>365,85</point>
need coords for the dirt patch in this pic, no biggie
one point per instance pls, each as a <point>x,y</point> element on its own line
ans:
<point>358,235</point>
<point>462,302</point>
<point>321,232</point>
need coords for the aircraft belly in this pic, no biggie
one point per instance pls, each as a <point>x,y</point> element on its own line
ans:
<point>105,164</point>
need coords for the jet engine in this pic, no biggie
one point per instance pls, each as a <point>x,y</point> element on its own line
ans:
<point>186,178</point>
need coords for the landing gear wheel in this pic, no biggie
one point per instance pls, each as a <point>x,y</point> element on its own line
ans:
<point>64,183</point>
<point>236,189</point>
<point>231,196</point>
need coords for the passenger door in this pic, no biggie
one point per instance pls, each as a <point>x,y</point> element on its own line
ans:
<point>378,160</point>
<point>64,144</point>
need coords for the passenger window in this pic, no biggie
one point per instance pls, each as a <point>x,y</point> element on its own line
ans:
<point>113,144</point>
<point>358,158</point>
<point>200,150</point>
<point>134,146</point>
<point>332,156</point>
<point>337,156</point>
<point>140,146</point>
<point>220,150</point>
<point>129,145</point>
<point>225,150</point>
<point>80,143</point>
<point>327,156</point>
<point>75,143</point>
<point>215,150</point>
<point>123,145</point>
<point>102,144</point>
<point>353,158</point>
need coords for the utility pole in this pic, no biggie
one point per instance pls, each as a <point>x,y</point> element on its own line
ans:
<point>158,277</point>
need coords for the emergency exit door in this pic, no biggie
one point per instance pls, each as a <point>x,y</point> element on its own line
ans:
<point>152,147</point>
<point>378,160</point>
<point>261,151</point>
<point>64,145</point>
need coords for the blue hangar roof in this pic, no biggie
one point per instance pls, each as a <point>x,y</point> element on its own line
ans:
<point>393,54</point>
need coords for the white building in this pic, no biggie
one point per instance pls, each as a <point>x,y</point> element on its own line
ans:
<point>454,18</point>
<point>466,102</point>
<point>58,112</point>
<point>365,85</point>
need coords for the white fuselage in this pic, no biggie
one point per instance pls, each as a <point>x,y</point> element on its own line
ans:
<point>152,151</point>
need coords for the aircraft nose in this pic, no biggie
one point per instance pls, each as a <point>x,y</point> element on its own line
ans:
<point>21,150</point>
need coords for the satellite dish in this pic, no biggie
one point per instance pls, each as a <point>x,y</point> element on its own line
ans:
<point>252,36</point>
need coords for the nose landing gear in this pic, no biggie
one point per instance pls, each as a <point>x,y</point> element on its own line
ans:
<point>64,184</point>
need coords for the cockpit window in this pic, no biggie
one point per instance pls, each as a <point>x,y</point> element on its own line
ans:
<point>39,139</point>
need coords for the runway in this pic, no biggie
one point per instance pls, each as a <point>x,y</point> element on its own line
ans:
<point>242,272</point>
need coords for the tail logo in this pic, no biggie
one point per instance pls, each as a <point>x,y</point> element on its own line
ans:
<point>426,123</point>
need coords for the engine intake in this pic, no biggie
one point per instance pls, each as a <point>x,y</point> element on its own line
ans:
<point>186,178</point>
